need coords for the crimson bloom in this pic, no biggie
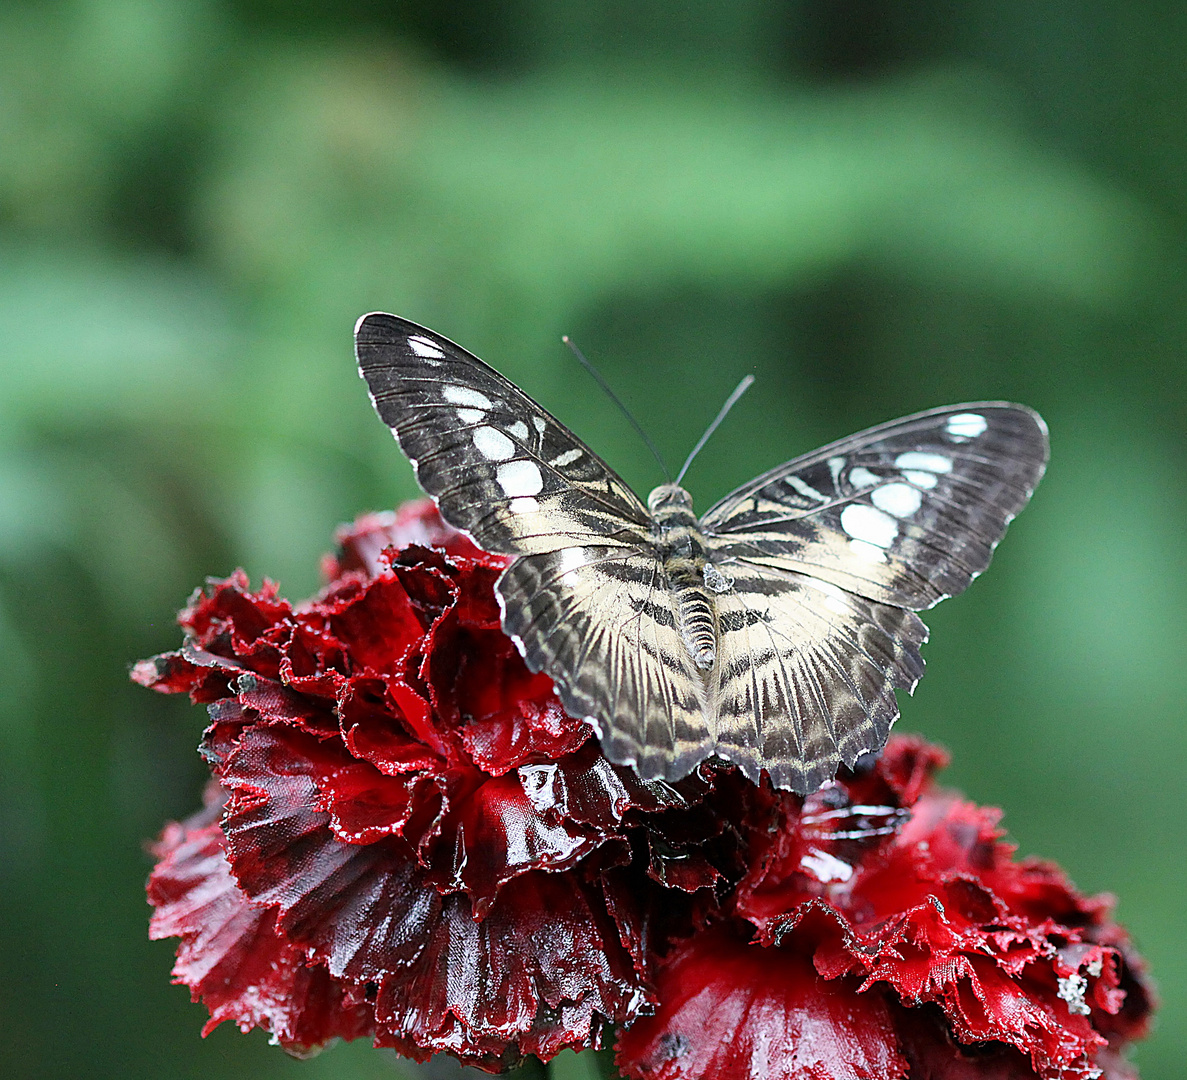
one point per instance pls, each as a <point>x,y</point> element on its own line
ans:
<point>884,930</point>
<point>406,838</point>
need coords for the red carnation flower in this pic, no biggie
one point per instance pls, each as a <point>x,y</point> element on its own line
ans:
<point>884,931</point>
<point>407,838</point>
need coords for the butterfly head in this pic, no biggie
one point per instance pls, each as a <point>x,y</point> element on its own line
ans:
<point>669,501</point>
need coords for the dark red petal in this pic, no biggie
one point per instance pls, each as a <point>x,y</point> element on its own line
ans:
<point>523,730</point>
<point>168,673</point>
<point>494,834</point>
<point>730,1010</point>
<point>907,766</point>
<point>386,722</point>
<point>362,544</point>
<point>364,909</point>
<point>232,954</point>
<point>586,787</point>
<point>544,970</point>
<point>934,1054</point>
<point>363,804</point>
<point>1132,1021</point>
<point>378,627</point>
<point>261,701</point>
<point>477,602</point>
<point>314,661</point>
<point>230,612</point>
<point>688,871</point>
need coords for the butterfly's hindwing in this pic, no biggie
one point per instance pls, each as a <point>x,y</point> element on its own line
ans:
<point>602,622</point>
<point>806,673</point>
<point>907,513</point>
<point>500,467</point>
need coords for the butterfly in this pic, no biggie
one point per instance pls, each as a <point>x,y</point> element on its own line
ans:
<point>773,630</point>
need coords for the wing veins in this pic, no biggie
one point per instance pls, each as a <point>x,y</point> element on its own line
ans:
<point>797,727</point>
<point>854,643</point>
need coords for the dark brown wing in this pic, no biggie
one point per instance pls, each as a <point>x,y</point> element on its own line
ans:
<point>587,600</point>
<point>499,466</point>
<point>830,556</point>
<point>907,513</point>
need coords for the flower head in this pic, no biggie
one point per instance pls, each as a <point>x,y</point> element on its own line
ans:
<point>884,929</point>
<point>406,838</point>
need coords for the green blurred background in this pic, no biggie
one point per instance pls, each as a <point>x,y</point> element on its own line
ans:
<point>875,205</point>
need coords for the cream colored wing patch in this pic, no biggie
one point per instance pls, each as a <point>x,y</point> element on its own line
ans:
<point>601,622</point>
<point>806,674</point>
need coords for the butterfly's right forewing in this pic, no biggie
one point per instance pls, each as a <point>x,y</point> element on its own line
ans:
<point>586,600</point>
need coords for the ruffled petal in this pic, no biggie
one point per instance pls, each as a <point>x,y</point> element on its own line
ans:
<point>232,954</point>
<point>731,1011</point>
<point>543,971</point>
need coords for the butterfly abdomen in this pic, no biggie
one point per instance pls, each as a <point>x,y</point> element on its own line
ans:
<point>683,550</point>
<point>698,624</point>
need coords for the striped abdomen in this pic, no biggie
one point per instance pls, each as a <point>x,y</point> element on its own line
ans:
<point>697,624</point>
<point>682,548</point>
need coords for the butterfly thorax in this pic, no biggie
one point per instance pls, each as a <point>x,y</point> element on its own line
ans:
<point>688,571</point>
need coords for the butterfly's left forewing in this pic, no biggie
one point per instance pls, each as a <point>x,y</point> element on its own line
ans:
<point>499,466</point>
<point>906,513</point>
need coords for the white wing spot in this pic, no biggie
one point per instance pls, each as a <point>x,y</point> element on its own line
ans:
<point>571,560</point>
<point>918,459</point>
<point>900,500</point>
<point>538,424</point>
<point>519,478</point>
<point>834,598</point>
<point>525,504</point>
<point>519,429</point>
<point>868,524</point>
<point>861,477</point>
<point>466,395</point>
<point>471,416</point>
<point>806,489</point>
<point>966,425</point>
<point>921,479</point>
<point>868,552</point>
<point>493,444</point>
<point>835,465</point>
<point>423,347</point>
<point>567,458</point>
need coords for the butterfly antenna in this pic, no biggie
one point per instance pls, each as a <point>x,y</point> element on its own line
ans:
<point>614,397</point>
<point>730,402</point>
